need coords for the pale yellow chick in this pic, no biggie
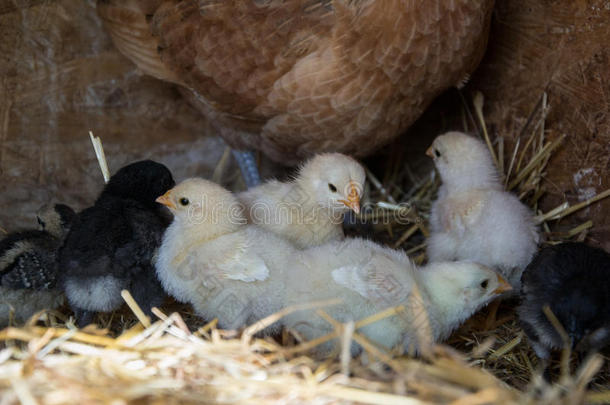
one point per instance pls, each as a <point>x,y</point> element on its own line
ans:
<point>308,211</point>
<point>212,259</point>
<point>369,279</point>
<point>473,217</point>
<point>240,273</point>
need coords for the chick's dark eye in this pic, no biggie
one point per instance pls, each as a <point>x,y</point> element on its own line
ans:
<point>484,284</point>
<point>332,187</point>
<point>41,222</point>
<point>437,153</point>
<point>184,201</point>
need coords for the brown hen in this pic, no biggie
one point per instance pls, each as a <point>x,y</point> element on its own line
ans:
<point>297,77</point>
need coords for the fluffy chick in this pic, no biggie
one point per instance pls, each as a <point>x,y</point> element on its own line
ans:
<point>212,259</point>
<point>370,278</point>
<point>573,279</point>
<point>55,219</point>
<point>28,268</point>
<point>474,218</point>
<point>110,246</point>
<point>308,211</point>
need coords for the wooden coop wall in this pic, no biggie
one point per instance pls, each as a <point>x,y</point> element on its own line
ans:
<point>61,77</point>
<point>559,47</point>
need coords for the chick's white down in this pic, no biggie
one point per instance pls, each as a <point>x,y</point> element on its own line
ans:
<point>369,278</point>
<point>240,273</point>
<point>308,211</point>
<point>473,217</point>
<point>212,259</point>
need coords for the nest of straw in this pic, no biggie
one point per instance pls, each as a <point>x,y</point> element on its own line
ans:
<point>128,359</point>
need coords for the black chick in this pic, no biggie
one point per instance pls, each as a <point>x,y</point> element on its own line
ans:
<point>111,245</point>
<point>573,279</point>
<point>28,266</point>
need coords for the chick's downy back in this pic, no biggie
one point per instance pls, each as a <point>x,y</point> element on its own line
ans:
<point>297,77</point>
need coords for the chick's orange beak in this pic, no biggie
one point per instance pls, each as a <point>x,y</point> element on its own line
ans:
<point>430,152</point>
<point>166,200</point>
<point>503,285</point>
<point>353,199</point>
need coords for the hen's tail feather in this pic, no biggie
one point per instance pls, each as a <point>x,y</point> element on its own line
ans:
<point>130,31</point>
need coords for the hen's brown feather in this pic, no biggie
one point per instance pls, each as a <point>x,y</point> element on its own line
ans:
<point>297,77</point>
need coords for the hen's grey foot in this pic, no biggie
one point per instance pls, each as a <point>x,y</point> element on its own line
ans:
<point>247,165</point>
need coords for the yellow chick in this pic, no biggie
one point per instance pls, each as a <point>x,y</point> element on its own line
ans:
<point>212,259</point>
<point>473,217</point>
<point>240,273</point>
<point>369,278</point>
<point>308,211</point>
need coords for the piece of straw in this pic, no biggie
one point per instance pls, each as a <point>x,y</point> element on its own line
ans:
<point>346,345</point>
<point>565,355</point>
<point>408,233</point>
<point>23,392</point>
<point>135,308</point>
<point>221,166</point>
<point>512,162</point>
<point>581,205</point>
<point>101,157</point>
<point>373,179</point>
<point>538,157</point>
<point>551,214</point>
<point>271,319</point>
<point>506,348</point>
<point>478,108</point>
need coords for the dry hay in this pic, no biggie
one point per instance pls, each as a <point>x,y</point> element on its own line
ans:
<point>488,360</point>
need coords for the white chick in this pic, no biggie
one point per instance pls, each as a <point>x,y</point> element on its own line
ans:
<point>474,218</point>
<point>369,278</point>
<point>308,211</point>
<point>212,259</point>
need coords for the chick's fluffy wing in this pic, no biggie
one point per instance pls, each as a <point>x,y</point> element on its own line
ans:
<point>461,212</point>
<point>31,270</point>
<point>146,228</point>
<point>372,283</point>
<point>251,269</point>
<point>235,257</point>
<point>114,236</point>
